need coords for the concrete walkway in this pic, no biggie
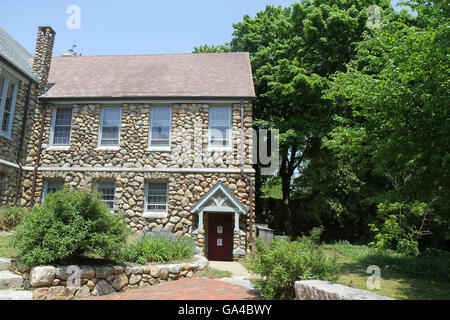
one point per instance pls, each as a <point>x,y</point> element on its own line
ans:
<point>237,269</point>
<point>240,276</point>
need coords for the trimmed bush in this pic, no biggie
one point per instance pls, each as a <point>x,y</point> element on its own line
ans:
<point>69,224</point>
<point>11,216</point>
<point>158,247</point>
<point>282,262</point>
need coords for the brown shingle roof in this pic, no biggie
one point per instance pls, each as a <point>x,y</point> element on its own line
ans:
<point>169,75</point>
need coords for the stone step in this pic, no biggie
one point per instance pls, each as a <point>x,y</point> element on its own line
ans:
<point>9,280</point>
<point>5,264</point>
<point>16,295</point>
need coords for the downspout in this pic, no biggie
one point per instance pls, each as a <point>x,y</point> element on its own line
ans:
<point>22,137</point>
<point>38,154</point>
<point>247,178</point>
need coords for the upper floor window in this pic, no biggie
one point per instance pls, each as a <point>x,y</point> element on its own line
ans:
<point>156,195</point>
<point>108,190</point>
<point>61,126</point>
<point>160,126</point>
<point>110,121</point>
<point>220,127</point>
<point>8,96</point>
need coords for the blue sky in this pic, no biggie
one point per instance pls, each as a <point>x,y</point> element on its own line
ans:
<point>110,27</point>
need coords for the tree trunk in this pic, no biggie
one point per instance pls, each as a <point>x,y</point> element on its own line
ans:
<point>286,188</point>
<point>286,172</point>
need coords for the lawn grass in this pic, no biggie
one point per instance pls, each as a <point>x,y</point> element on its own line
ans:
<point>245,262</point>
<point>212,273</point>
<point>6,249</point>
<point>354,261</point>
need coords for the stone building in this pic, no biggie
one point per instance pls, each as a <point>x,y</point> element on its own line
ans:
<point>20,85</point>
<point>165,138</point>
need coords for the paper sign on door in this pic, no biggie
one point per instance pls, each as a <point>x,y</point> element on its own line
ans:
<point>219,242</point>
<point>219,229</point>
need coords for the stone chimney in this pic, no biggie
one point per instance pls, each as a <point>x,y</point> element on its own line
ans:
<point>43,56</point>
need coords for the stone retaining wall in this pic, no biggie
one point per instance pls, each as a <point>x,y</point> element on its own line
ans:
<point>54,282</point>
<point>326,290</point>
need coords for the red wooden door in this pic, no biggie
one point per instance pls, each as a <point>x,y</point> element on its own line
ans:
<point>220,237</point>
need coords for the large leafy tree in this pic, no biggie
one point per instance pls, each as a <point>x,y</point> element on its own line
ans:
<point>395,118</point>
<point>294,51</point>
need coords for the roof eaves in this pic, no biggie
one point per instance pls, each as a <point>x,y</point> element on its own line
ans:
<point>24,74</point>
<point>181,98</point>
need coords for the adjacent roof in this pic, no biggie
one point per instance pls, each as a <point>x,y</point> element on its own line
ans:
<point>153,76</point>
<point>15,54</point>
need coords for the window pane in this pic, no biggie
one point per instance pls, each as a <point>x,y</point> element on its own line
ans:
<point>8,106</point>
<point>111,118</point>
<point>160,126</point>
<point>63,117</point>
<point>2,83</point>
<point>220,117</point>
<point>108,191</point>
<point>159,133</point>
<point>109,142</point>
<point>55,185</point>
<point>220,126</point>
<point>157,197</point>
<point>5,122</point>
<point>61,135</point>
<point>110,133</point>
<point>63,123</point>
<point>161,113</point>
<point>9,97</point>
<point>219,133</point>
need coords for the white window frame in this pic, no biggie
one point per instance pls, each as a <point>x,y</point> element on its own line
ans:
<point>52,129</point>
<point>3,92</point>
<point>45,191</point>
<point>107,183</point>
<point>161,214</point>
<point>159,148</point>
<point>100,131</point>
<point>230,134</point>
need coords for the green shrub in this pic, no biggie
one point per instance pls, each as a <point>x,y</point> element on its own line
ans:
<point>11,217</point>
<point>282,262</point>
<point>158,247</point>
<point>67,225</point>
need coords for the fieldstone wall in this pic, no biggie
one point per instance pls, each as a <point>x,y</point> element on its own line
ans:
<point>189,150</point>
<point>189,140</point>
<point>326,290</point>
<point>43,55</point>
<point>9,147</point>
<point>55,282</point>
<point>184,191</point>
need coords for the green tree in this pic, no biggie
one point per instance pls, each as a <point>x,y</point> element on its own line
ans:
<point>212,49</point>
<point>394,117</point>
<point>294,51</point>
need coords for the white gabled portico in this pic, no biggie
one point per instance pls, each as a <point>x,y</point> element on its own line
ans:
<point>219,199</point>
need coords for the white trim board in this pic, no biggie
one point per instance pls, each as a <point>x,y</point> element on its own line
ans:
<point>9,164</point>
<point>169,170</point>
<point>210,196</point>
